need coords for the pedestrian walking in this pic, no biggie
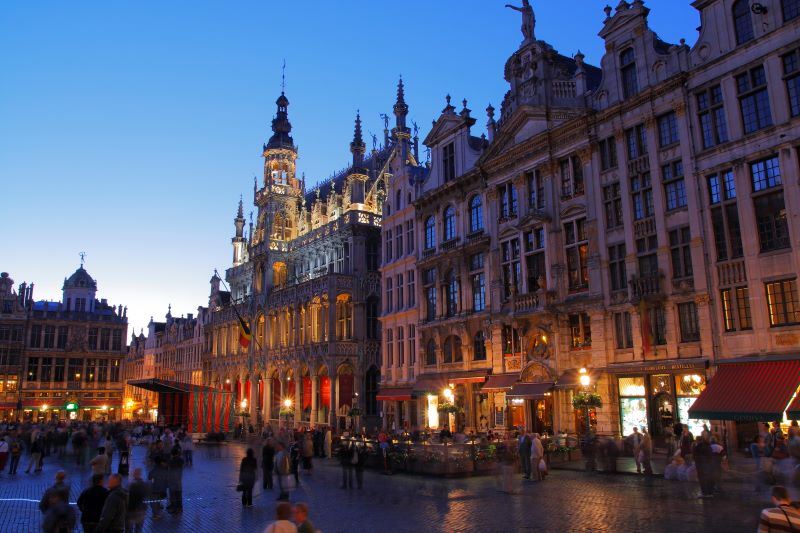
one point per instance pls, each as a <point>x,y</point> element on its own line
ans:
<point>282,470</point>
<point>267,463</point>
<point>4,452</point>
<point>294,456</point>
<point>283,517</point>
<point>635,440</point>
<point>358,461</point>
<point>247,477</point>
<point>16,453</point>
<point>702,455</point>
<point>524,448</point>
<point>175,483</point>
<point>537,457</point>
<point>304,525</point>
<point>115,508</point>
<point>347,454</point>
<point>138,494</point>
<point>90,504</point>
<point>60,487</point>
<point>60,516</point>
<point>159,477</point>
<point>99,462</point>
<point>308,453</point>
<point>646,453</point>
<point>783,517</point>
<point>188,449</point>
<point>328,443</point>
<point>36,456</point>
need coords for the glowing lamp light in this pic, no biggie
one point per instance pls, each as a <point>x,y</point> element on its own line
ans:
<point>448,393</point>
<point>584,377</point>
<point>287,403</point>
<point>130,404</point>
<point>104,408</point>
<point>244,404</point>
<point>228,381</point>
<point>44,407</point>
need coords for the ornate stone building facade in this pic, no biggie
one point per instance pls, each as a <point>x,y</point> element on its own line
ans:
<point>14,307</point>
<point>306,281</point>
<point>73,355</point>
<point>631,219</point>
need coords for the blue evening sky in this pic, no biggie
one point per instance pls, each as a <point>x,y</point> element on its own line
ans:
<point>128,130</point>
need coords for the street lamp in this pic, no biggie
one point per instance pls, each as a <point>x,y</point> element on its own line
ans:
<point>585,381</point>
<point>243,413</point>
<point>287,409</point>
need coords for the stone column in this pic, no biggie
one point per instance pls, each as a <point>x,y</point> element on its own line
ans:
<point>267,399</point>
<point>314,406</point>
<point>252,401</point>
<point>298,401</point>
<point>334,400</point>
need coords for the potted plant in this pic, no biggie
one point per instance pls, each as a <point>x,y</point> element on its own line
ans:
<point>583,400</point>
<point>449,408</point>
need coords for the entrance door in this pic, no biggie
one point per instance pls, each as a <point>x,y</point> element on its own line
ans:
<point>662,413</point>
<point>517,416</point>
<point>542,416</point>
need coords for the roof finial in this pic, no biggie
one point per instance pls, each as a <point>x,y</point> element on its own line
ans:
<point>283,76</point>
<point>83,258</point>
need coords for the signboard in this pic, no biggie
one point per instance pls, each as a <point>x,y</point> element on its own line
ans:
<point>71,406</point>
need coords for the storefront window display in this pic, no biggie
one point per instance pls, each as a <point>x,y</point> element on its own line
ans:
<point>688,387</point>
<point>632,404</point>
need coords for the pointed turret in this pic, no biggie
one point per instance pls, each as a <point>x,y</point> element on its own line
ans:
<point>239,220</point>
<point>400,109</point>
<point>357,147</point>
<point>281,127</point>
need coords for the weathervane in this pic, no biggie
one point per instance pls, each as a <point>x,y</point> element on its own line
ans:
<point>283,76</point>
<point>83,257</point>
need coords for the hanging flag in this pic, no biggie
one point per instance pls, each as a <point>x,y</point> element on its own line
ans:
<point>244,333</point>
<point>647,330</point>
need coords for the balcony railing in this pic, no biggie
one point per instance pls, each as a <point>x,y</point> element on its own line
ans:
<point>647,286</point>
<point>732,272</point>
<point>526,302</point>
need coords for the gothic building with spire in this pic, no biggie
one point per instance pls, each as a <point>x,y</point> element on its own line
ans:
<point>306,281</point>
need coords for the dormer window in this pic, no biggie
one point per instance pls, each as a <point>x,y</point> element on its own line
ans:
<point>627,62</point>
<point>742,21</point>
<point>449,162</point>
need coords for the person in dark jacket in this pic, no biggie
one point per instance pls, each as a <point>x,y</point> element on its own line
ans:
<point>90,503</point>
<point>361,460</point>
<point>247,477</point>
<point>294,456</point>
<point>268,463</point>
<point>60,516</point>
<point>175,483</point>
<point>159,476</point>
<point>115,508</point>
<point>60,487</point>
<point>346,456</point>
<point>703,460</point>
<point>138,494</point>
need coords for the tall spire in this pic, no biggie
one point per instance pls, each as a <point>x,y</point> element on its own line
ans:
<point>239,220</point>
<point>400,108</point>
<point>357,147</point>
<point>281,127</point>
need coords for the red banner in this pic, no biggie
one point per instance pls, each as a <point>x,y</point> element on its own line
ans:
<point>306,393</point>
<point>325,389</point>
<point>345,389</point>
<point>276,394</point>
<point>260,399</point>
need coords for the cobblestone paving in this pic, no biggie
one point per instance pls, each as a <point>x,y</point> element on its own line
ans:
<point>566,501</point>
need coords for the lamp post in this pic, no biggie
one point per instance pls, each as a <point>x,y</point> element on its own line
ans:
<point>448,395</point>
<point>287,405</point>
<point>585,381</point>
<point>243,413</point>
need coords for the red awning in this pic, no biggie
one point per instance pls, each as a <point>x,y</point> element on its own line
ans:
<point>530,390</point>
<point>758,390</point>
<point>500,382</point>
<point>395,394</point>
<point>436,382</point>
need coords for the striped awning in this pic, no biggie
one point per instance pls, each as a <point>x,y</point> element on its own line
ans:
<point>500,382</point>
<point>753,391</point>
<point>395,394</point>
<point>436,382</point>
<point>530,390</point>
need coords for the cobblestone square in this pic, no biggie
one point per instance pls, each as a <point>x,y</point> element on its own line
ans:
<point>566,501</point>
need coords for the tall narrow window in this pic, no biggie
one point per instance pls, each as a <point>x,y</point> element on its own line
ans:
<point>667,129</point>
<point>736,308</point>
<point>478,292</point>
<point>449,162</point>
<point>452,350</point>
<point>642,196</point>
<point>449,223</point>
<point>475,214</point>
<point>430,302</point>
<point>399,291</point>
<point>725,215</point>
<point>389,295</point>
<point>534,259</point>
<point>508,201</point>
<point>773,230</point>
<point>36,336</point>
<point>389,348</point>
<point>742,21</point>
<point>535,189</point>
<point>388,246</point>
<point>430,353</point>
<point>608,154</point>
<point>430,233</point>
<point>571,177</point>
<point>479,347</point>
<point>622,330</point>
<point>674,186</point>
<point>398,241</point>
<point>627,62</point>
<point>401,349</point>
<point>510,267</point>
<point>687,317</point>
<point>616,267</point>
<point>791,76</point>
<point>577,251</point>
<point>658,325</point>
<point>612,203</point>
<point>580,331</point>
<point>754,99</point>
<point>410,236</point>
<point>680,251</point>
<point>412,344</point>
<point>636,142</point>
<point>451,293</point>
<point>62,337</point>
<point>50,336</point>
<point>412,288</point>
<point>711,113</point>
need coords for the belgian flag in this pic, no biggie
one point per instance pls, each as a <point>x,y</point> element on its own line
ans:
<point>245,335</point>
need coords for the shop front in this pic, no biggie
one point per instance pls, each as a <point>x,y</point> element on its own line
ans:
<point>531,406</point>
<point>656,397</point>
<point>452,399</point>
<point>398,405</point>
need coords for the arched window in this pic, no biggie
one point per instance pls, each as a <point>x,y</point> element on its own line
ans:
<point>400,347</point>
<point>742,21</point>
<point>371,381</point>
<point>479,347</point>
<point>627,63</point>
<point>430,353</point>
<point>260,332</point>
<point>389,348</point>
<point>449,223</point>
<point>475,214</point>
<point>451,292</point>
<point>344,317</point>
<point>452,350</point>
<point>430,233</point>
